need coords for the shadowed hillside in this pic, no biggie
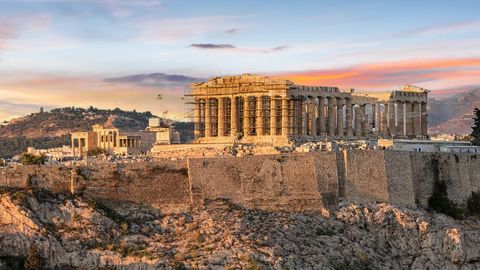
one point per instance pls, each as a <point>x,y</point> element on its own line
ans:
<point>453,114</point>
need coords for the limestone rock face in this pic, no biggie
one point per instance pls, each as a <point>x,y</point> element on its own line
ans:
<point>72,232</point>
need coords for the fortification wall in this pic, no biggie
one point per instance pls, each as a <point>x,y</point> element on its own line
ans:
<point>399,178</point>
<point>460,172</point>
<point>299,182</point>
<point>365,176</point>
<point>153,183</point>
<point>162,182</point>
<point>55,177</point>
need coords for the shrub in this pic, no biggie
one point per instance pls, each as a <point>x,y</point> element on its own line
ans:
<point>33,261</point>
<point>96,151</point>
<point>31,159</point>
<point>473,203</point>
<point>253,264</point>
<point>12,262</point>
<point>440,202</point>
<point>83,172</point>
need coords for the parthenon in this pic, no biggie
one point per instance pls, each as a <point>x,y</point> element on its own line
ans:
<point>258,109</point>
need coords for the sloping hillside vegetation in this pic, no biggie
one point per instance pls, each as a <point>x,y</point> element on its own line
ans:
<point>51,129</point>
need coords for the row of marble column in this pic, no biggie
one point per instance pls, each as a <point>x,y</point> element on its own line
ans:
<point>307,116</point>
<point>130,142</point>
<point>78,144</point>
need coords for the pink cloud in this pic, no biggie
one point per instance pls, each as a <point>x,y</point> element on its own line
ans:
<point>438,73</point>
<point>12,27</point>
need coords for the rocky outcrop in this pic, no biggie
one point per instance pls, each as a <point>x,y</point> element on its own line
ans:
<point>73,232</point>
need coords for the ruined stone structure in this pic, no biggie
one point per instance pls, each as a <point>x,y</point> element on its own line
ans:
<point>112,140</point>
<point>257,109</point>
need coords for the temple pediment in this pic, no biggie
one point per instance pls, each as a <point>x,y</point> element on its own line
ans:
<point>243,79</point>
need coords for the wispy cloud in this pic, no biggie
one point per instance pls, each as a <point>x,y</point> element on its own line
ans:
<point>233,48</point>
<point>447,28</point>
<point>177,29</point>
<point>212,46</point>
<point>154,80</point>
<point>116,8</point>
<point>12,27</point>
<point>231,31</point>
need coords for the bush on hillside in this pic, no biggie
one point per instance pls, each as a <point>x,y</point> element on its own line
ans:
<point>473,203</point>
<point>440,202</point>
<point>96,152</point>
<point>31,159</point>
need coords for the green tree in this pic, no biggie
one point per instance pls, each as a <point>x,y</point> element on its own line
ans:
<point>31,159</point>
<point>476,127</point>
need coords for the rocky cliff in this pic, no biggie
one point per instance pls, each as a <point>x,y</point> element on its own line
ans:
<point>70,232</point>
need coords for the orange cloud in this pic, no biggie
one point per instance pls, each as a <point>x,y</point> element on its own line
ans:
<point>436,73</point>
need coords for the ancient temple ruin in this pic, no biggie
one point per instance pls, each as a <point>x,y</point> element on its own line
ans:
<point>258,109</point>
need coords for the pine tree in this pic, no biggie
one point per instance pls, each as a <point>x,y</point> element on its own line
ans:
<point>476,127</point>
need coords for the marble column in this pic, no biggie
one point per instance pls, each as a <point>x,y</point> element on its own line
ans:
<point>391,119</point>
<point>374,116</point>
<point>348,117</point>
<point>259,116</point>
<point>73,147</point>
<point>340,103</point>
<point>196,123</point>
<point>313,116</point>
<point>400,119</point>
<point>208,128</point>
<point>409,118</point>
<point>80,147</point>
<point>358,122</point>
<point>246,117</point>
<point>285,116</point>
<point>220,118</point>
<point>423,111</point>
<point>321,115</point>
<point>416,119</point>
<point>331,117</point>
<point>363,112</point>
<point>384,121</point>
<point>294,105</point>
<point>273,116</point>
<point>233,117</point>
<point>304,121</point>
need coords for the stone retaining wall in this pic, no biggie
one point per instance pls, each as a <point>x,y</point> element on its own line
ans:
<point>298,182</point>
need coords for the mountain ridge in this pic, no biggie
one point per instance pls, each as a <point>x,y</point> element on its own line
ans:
<point>454,114</point>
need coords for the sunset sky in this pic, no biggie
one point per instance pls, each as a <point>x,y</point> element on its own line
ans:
<point>119,53</point>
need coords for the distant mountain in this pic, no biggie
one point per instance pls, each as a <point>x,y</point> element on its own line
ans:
<point>453,114</point>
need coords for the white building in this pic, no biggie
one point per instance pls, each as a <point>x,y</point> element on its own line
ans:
<point>428,146</point>
<point>164,134</point>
